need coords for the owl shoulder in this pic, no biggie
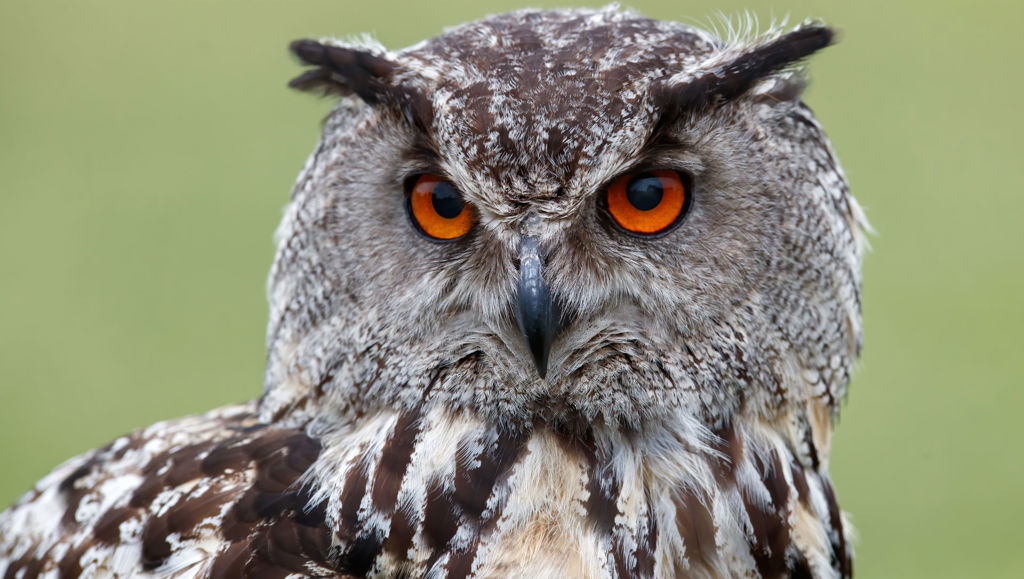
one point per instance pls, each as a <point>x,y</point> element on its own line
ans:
<point>195,494</point>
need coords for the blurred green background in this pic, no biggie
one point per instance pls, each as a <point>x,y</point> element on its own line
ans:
<point>147,150</point>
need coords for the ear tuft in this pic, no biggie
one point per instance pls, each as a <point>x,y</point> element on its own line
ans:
<point>731,79</point>
<point>740,74</point>
<point>343,71</point>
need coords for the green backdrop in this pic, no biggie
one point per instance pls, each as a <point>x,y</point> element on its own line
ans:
<point>147,150</point>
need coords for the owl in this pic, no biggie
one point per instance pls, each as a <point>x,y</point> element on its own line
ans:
<point>558,294</point>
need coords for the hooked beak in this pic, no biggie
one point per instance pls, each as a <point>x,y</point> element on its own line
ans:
<point>537,313</point>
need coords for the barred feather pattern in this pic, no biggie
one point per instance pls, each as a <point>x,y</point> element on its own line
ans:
<point>432,494</point>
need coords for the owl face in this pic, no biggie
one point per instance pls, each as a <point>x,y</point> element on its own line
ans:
<point>569,217</point>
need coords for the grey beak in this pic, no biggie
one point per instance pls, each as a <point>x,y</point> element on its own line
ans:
<point>537,313</point>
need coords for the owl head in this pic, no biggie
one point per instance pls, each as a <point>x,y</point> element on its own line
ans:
<point>579,218</point>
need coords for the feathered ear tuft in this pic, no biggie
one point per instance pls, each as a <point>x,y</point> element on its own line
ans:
<point>731,79</point>
<point>740,74</point>
<point>344,71</point>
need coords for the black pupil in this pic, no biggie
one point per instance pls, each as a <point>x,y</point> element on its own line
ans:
<point>447,201</point>
<point>644,192</point>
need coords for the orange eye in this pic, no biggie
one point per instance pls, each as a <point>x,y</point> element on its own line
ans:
<point>438,209</point>
<point>648,203</point>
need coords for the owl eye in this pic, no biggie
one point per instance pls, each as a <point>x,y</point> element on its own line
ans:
<point>648,203</point>
<point>438,209</point>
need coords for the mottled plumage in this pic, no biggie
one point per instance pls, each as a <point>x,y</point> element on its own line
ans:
<point>677,421</point>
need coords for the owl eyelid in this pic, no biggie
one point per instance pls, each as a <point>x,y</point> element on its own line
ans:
<point>665,153</point>
<point>411,177</point>
<point>421,159</point>
<point>686,164</point>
